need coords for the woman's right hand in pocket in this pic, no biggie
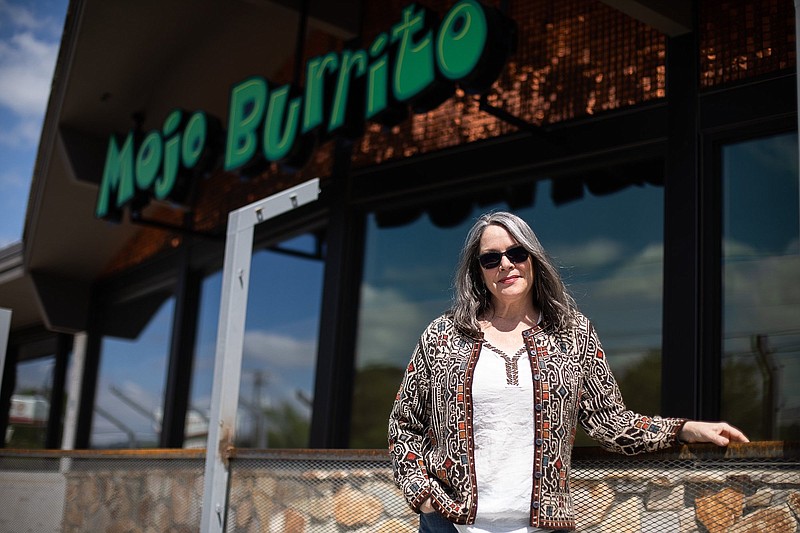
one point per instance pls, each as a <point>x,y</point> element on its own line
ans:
<point>426,506</point>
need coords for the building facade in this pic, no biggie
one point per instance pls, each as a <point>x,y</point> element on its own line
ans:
<point>653,150</point>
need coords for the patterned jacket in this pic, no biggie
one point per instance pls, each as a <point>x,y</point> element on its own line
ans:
<point>430,427</point>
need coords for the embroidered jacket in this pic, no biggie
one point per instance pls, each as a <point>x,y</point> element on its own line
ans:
<point>430,427</point>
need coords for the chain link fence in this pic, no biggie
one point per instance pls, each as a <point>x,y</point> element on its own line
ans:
<point>742,488</point>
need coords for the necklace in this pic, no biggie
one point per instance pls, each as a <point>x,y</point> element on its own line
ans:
<point>512,370</point>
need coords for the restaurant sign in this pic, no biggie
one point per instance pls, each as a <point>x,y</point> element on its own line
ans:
<point>415,66</point>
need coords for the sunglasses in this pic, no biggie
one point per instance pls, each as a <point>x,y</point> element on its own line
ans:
<point>517,254</point>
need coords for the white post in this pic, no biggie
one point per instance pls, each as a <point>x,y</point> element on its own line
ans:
<point>230,342</point>
<point>75,379</point>
<point>5,328</point>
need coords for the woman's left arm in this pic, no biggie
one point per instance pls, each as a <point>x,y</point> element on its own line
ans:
<point>607,419</point>
<point>603,413</point>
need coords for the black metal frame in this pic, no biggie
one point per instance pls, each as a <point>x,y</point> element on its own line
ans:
<point>682,211</point>
<point>44,343</point>
<point>763,112</point>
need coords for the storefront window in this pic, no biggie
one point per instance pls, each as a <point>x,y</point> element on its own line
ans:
<point>30,404</point>
<point>610,248</point>
<point>280,347</point>
<point>133,365</point>
<point>761,287</point>
<point>196,429</point>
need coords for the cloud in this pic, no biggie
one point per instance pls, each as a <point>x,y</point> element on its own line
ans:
<point>594,254</point>
<point>106,431</point>
<point>738,250</point>
<point>279,350</point>
<point>793,247</point>
<point>20,17</point>
<point>138,395</point>
<point>23,134</point>
<point>390,324</point>
<point>761,292</point>
<point>639,277</point>
<point>771,156</point>
<point>11,179</point>
<point>625,302</point>
<point>26,72</point>
<point>12,203</point>
<point>29,43</point>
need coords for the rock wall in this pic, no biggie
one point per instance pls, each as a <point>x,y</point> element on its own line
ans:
<point>127,499</point>
<point>289,495</point>
<point>735,500</point>
<point>361,500</point>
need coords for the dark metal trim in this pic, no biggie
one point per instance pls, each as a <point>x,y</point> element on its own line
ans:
<point>181,354</point>
<point>680,359</point>
<point>7,389</point>
<point>136,217</point>
<point>55,420</point>
<point>333,389</point>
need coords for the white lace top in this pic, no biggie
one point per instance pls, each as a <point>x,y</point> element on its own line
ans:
<point>502,393</point>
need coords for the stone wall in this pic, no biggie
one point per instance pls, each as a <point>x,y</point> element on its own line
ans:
<point>318,500</point>
<point>736,500</point>
<point>129,499</point>
<point>745,489</point>
<point>634,497</point>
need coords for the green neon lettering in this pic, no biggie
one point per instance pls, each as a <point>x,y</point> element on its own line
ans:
<point>414,68</point>
<point>377,79</point>
<point>194,139</point>
<point>118,176</point>
<point>172,123</point>
<point>148,160</point>
<point>350,60</point>
<point>248,104</point>
<point>280,134</point>
<point>461,40</point>
<point>172,155</point>
<point>316,70</point>
<point>470,47</point>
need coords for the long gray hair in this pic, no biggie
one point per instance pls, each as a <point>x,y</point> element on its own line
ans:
<point>472,299</point>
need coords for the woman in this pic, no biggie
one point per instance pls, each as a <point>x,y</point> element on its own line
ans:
<point>482,427</point>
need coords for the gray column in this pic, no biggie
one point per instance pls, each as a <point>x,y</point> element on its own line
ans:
<point>230,343</point>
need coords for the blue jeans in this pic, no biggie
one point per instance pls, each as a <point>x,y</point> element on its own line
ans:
<point>435,523</point>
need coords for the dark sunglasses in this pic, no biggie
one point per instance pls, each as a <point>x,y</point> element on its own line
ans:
<point>517,254</point>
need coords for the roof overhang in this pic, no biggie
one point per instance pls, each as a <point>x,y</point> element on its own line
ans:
<point>17,292</point>
<point>119,58</point>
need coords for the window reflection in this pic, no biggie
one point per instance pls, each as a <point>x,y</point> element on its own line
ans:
<point>132,373</point>
<point>280,345</point>
<point>761,266</point>
<point>30,404</point>
<point>196,429</point>
<point>608,241</point>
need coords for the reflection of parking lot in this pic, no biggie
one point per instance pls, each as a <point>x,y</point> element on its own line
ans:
<point>27,421</point>
<point>28,410</point>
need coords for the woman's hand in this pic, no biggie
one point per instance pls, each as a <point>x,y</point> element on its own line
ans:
<point>719,433</point>
<point>426,507</point>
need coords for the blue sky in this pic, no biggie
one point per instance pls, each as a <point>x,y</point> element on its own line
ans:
<point>30,36</point>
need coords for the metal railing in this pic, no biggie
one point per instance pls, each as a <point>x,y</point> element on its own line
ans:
<point>752,487</point>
